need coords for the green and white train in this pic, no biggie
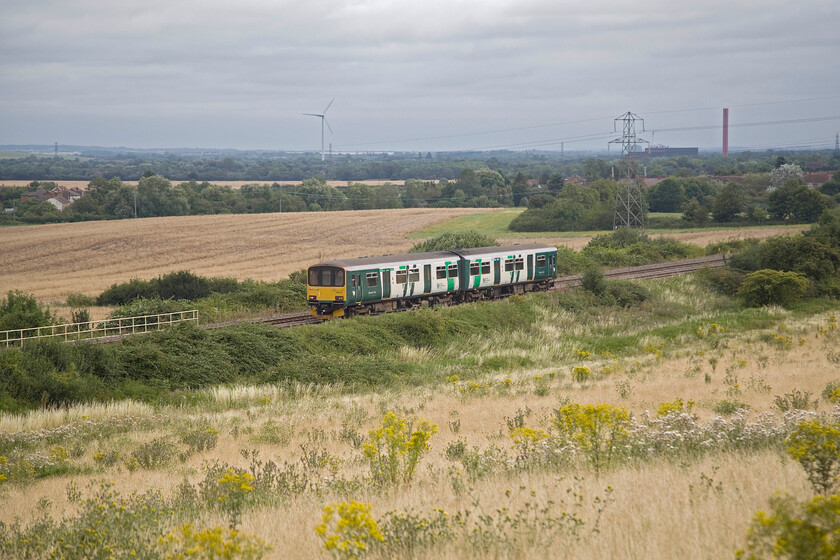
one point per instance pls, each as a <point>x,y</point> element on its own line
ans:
<point>347,287</point>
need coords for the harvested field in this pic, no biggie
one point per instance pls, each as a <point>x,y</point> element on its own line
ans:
<point>699,238</point>
<point>52,261</point>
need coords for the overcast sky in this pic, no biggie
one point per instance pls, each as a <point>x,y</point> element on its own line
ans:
<point>418,74</point>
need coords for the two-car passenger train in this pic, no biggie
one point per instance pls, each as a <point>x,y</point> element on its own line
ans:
<point>347,287</point>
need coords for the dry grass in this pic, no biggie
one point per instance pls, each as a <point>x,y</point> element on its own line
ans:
<point>52,261</point>
<point>678,508</point>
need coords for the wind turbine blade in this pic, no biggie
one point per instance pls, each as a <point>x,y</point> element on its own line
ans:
<point>328,125</point>
<point>328,106</point>
<point>313,114</point>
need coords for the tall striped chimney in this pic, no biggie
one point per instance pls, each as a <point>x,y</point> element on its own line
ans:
<point>726,131</point>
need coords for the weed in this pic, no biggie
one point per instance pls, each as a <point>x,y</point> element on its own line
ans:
<point>395,447</point>
<point>815,445</point>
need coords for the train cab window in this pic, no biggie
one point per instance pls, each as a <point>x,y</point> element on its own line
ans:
<point>453,270</point>
<point>372,279</point>
<point>540,261</point>
<point>326,276</point>
<point>485,267</point>
<point>475,269</point>
<point>414,274</point>
<point>509,265</point>
<point>401,276</point>
<point>440,273</point>
<point>520,264</point>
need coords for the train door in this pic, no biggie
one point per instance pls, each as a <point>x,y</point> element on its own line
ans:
<point>497,271</point>
<point>386,283</point>
<point>530,271</point>
<point>427,279</point>
<point>354,291</point>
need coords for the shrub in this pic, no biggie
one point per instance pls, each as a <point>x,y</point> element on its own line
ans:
<point>727,407</point>
<point>772,287</point>
<point>599,431</point>
<point>722,280</point>
<point>593,281</point>
<point>795,530</point>
<point>625,293</point>
<point>186,542</point>
<point>450,241</point>
<point>21,311</point>
<point>348,530</point>
<point>795,400</point>
<point>816,446</point>
<point>395,447</point>
<point>831,392</point>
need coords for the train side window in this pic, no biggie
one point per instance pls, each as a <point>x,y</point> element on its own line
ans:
<point>440,273</point>
<point>313,276</point>
<point>339,279</point>
<point>540,261</point>
<point>414,275</point>
<point>485,267</point>
<point>509,265</point>
<point>401,276</point>
<point>520,264</point>
<point>372,279</point>
<point>453,270</point>
<point>475,269</point>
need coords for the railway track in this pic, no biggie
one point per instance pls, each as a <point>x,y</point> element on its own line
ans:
<point>659,270</point>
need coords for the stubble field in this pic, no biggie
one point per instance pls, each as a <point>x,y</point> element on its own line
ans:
<point>52,261</point>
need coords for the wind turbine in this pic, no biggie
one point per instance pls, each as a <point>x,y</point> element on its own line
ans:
<point>324,121</point>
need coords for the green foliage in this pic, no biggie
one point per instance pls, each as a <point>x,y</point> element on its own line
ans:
<point>773,287</point>
<point>631,247</point>
<point>576,209</point>
<point>21,311</point>
<point>395,447</point>
<point>795,530</point>
<point>815,445</point>
<point>450,241</point>
<point>593,281</point>
<point>728,407</point>
<point>722,280</point>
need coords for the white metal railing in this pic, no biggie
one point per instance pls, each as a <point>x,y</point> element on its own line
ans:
<point>93,329</point>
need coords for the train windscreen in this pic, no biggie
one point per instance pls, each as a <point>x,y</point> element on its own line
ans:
<point>326,276</point>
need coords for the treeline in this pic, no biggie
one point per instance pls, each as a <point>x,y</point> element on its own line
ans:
<point>781,196</point>
<point>277,167</point>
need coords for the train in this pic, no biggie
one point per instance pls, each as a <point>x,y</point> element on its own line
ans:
<point>373,285</point>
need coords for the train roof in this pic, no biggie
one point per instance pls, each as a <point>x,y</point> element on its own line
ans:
<point>432,256</point>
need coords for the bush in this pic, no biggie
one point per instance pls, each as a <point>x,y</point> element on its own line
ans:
<point>450,241</point>
<point>625,293</point>
<point>773,287</point>
<point>816,446</point>
<point>722,280</point>
<point>593,281</point>
<point>21,311</point>
<point>795,530</point>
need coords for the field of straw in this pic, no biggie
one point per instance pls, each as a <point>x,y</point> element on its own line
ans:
<point>659,505</point>
<point>52,261</point>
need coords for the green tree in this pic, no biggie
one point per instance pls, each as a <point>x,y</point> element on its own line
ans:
<point>21,311</point>
<point>730,201</point>
<point>666,196</point>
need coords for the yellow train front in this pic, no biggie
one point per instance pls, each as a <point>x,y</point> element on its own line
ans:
<point>326,290</point>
